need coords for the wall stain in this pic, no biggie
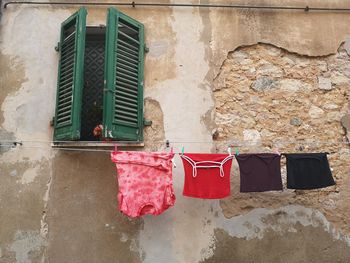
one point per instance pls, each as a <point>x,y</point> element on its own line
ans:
<point>12,76</point>
<point>23,210</point>
<point>83,206</point>
<point>306,244</point>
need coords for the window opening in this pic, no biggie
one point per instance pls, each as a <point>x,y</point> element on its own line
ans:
<point>92,100</point>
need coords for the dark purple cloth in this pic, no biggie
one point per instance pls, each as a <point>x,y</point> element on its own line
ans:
<point>260,172</point>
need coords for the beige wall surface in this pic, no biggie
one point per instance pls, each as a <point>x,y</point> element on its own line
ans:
<point>212,75</point>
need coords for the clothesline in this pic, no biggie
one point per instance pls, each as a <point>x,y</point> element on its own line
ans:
<point>180,141</point>
<point>108,151</point>
<point>145,179</point>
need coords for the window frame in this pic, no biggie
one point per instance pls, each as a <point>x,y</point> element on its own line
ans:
<point>72,135</point>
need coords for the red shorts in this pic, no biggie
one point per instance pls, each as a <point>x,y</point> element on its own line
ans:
<point>207,175</point>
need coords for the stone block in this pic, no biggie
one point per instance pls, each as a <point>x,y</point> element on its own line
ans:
<point>345,120</point>
<point>252,136</point>
<point>294,85</point>
<point>264,83</point>
<point>295,121</point>
<point>324,83</point>
<point>269,69</point>
<point>315,112</point>
<point>347,46</point>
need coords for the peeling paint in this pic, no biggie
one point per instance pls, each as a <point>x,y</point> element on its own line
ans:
<point>25,243</point>
<point>154,135</point>
<point>11,78</point>
<point>261,220</point>
<point>292,227</point>
<point>29,175</point>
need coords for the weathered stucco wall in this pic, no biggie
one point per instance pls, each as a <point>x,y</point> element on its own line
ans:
<point>206,77</point>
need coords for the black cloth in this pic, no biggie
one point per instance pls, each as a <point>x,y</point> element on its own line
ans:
<point>260,172</point>
<point>308,171</point>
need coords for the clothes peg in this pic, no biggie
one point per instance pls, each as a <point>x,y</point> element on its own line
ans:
<point>167,143</point>
<point>182,150</point>
<point>173,161</point>
<point>277,152</point>
<point>115,147</point>
<point>237,152</point>
<point>229,151</point>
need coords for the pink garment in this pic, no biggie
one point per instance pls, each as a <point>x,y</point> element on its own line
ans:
<point>145,182</point>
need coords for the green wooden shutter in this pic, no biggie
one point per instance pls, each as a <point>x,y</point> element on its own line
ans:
<point>123,93</point>
<point>70,77</point>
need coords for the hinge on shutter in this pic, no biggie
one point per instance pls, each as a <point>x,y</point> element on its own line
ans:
<point>57,47</point>
<point>52,122</point>
<point>146,49</point>
<point>147,122</point>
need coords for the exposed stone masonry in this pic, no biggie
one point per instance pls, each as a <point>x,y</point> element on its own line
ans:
<point>267,98</point>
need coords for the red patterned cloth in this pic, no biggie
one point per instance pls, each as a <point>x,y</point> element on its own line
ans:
<point>145,182</point>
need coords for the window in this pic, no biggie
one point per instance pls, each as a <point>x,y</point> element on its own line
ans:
<point>100,79</point>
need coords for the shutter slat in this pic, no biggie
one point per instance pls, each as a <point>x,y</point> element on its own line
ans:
<point>127,81</point>
<point>129,27</point>
<point>128,72</point>
<point>68,42</point>
<point>128,45</point>
<point>122,61</point>
<point>126,67</point>
<point>120,111</point>
<point>63,96</point>
<point>64,111</point>
<point>64,115</point>
<point>126,76</point>
<point>129,38</point>
<point>128,54</point>
<point>72,34</point>
<point>67,81</point>
<point>67,67</point>
<point>130,60</point>
<point>69,54</point>
<point>131,105</point>
<point>65,119</point>
<point>65,122</point>
<point>65,87</point>
<point>127,49</point>
<point>65,103</point>
<point>67,76</point>
<point>126,95</point>
<point>68,59</point>
<point>127,90</point>
<point>66,95</point>
<point>68,45</point>
<point>127,120</point>
<point>126,110</point>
